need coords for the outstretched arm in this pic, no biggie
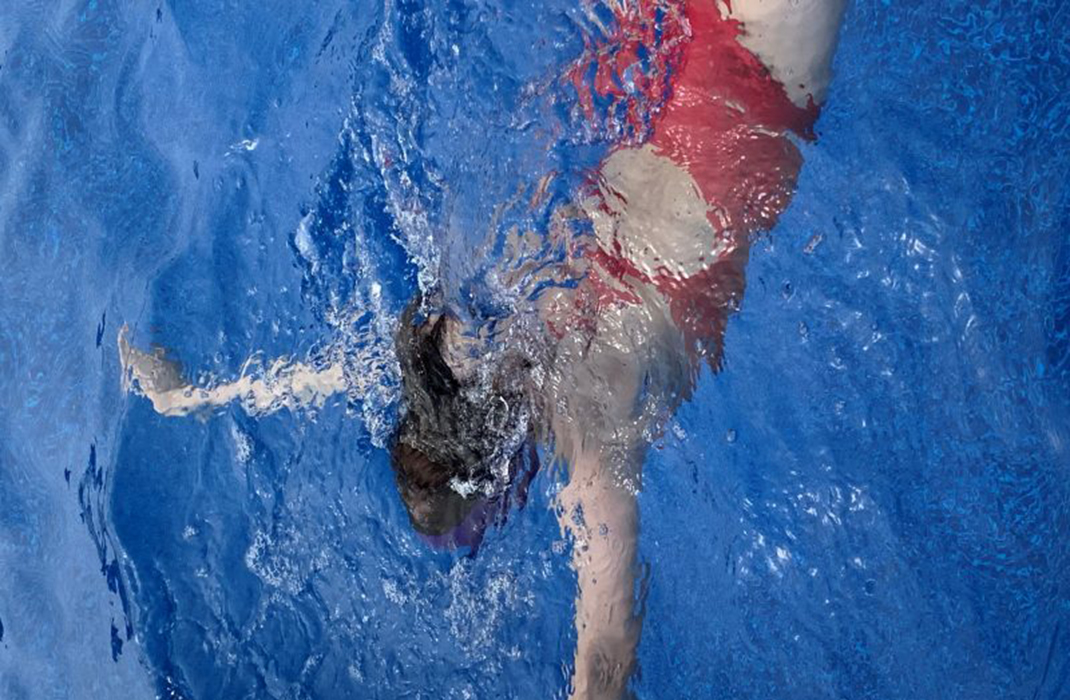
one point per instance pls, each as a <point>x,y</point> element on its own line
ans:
<point>599,429</point>
<point>284,384</point>
<point>603,517</point>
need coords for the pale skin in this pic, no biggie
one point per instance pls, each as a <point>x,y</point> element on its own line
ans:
<point>604,556</point>
<point>795,39</point>
<point>283,384</point>
<point>598,507</point>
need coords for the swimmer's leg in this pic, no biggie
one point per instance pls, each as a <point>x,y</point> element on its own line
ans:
<point>284,384</point>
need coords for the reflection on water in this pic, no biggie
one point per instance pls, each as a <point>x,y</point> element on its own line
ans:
<point>872,484</point>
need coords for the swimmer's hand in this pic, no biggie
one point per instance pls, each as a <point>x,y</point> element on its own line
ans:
<point>151,374</point>
<point>285,384</point>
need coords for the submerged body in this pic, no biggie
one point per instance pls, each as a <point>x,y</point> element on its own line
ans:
<point>673,220</point>
<point>673,215</point>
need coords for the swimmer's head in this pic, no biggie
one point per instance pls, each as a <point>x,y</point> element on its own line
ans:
<point>461,423</point>
<point>434,506</point>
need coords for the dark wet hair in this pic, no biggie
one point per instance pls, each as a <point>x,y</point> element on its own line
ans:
<point>452,432</point>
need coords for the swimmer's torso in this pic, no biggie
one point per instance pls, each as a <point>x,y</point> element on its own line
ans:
<point>673,217</point>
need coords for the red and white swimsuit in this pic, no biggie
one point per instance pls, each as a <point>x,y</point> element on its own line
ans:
<point>713,165</point>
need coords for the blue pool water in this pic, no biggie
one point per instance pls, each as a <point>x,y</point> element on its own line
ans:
<point>871,500</point>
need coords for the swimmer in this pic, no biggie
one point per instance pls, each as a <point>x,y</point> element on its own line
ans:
<point>673,218</point>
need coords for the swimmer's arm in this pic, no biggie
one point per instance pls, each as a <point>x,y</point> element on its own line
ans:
<point>283,385</point>
<point>603,518</point>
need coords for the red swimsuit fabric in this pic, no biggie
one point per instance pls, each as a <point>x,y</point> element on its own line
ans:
<point>713,109</point>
